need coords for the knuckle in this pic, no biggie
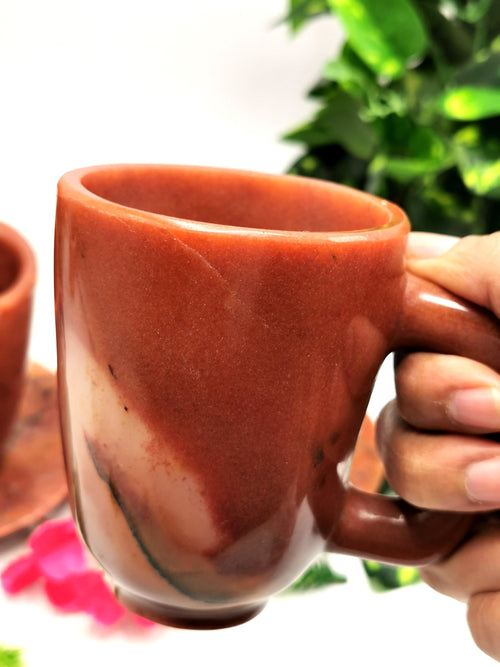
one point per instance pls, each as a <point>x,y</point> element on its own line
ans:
<point>402,463</point>
<point>434,576</point>
<point>442,578</point>
<point>417,380</point>
<point>408,371</point>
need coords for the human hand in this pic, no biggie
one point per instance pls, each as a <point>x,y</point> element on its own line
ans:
<point>437,438</point>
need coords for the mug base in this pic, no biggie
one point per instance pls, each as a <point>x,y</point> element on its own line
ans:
<point>191,619</point>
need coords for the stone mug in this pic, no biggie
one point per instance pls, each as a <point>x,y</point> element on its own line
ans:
<point>17,281</point>
<point>219,334</point>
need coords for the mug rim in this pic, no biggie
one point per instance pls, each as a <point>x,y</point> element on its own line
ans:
<point>71,185</point>
<point>24,281</point>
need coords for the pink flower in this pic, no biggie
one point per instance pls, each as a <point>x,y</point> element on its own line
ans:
<point>58,549</point>
<point>20,573</point>
<point>97,599</point>
<point>88,592</point>
<point>57,557</point>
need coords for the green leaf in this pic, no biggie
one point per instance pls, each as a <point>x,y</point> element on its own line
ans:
<point>483,71</point>
<point>471,11</point>
<point>410,150</point>
<point>338,122</point>
<point>404,169</point>
<point>474,92</point>
<point>318,575</point>
<point>383,102</point>
<point>388,36</point>
<point>347,77</point>
<point>301,11</point>
<point>10,657</point>
<point>492,22</point>
<point>332,163</point>
<point>349,71</point>
<point>470,103</point>
<point>419,89</point>
<point>478,157</point>
<point>451,40</point>
<point>387,577</point>
<point>442,203</point>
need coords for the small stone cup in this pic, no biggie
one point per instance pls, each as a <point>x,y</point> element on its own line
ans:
<point>17,280</point>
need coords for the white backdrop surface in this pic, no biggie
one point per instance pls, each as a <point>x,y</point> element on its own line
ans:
<point>106,81</point>
<point>216,83</point>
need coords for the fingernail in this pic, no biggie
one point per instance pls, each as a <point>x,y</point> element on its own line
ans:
<point>479,408</point>
<point>482,481</point>
<point>425,245</point>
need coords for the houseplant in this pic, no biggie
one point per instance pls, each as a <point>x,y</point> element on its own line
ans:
<point>410,108</point>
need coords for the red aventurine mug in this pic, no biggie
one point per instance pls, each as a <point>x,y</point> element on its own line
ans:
<point>17,280</point>
<point>219,334</point>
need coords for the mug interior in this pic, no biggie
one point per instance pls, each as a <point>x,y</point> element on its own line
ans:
<point>17,266</point>
<point>10,266</point>
<point>242,199</point>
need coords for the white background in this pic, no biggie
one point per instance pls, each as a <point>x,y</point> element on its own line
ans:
<point>202,82</point>
<point>102,81</point>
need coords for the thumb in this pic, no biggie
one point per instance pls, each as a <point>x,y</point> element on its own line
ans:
<point>424,245</point>
<point>470,269</point>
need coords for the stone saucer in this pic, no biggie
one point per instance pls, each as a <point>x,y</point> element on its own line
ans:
<point>32,477</point>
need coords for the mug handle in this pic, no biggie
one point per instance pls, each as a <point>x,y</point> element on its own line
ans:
<point>389,529</point>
